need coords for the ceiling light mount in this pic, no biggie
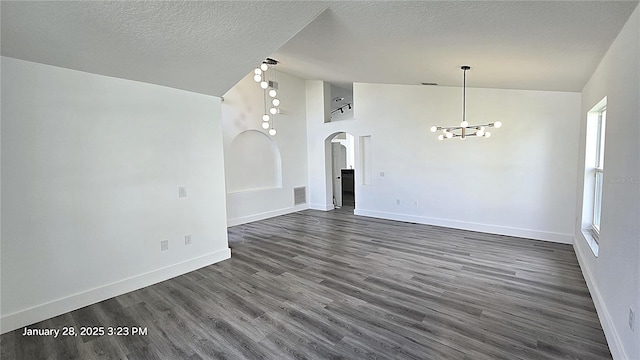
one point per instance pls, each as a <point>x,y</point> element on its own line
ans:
<point>465,130</point>
<point>270,61</point>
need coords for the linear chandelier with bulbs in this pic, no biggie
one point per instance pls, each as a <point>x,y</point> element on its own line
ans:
<point>268,82</point>
<point>465,130</point>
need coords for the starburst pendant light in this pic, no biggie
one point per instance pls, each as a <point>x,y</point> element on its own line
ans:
<point>267,76</point>
<point>465,130</point>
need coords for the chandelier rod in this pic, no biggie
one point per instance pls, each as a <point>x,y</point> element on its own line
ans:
<point>464,95</point>
<point>464,92</point>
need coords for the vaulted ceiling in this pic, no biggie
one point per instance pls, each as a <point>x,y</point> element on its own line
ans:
<point>540,45</point>
<point>207,47</point>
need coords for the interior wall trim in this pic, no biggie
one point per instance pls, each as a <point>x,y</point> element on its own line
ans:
<point>610,332</point>
<point>321,207</point>
<point>491,229</point>
<point>265,215</point>
<point>76,301</point>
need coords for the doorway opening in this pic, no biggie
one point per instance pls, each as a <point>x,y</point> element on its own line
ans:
<point>342,165</point>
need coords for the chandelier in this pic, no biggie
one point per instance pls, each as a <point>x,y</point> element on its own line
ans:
<point>267,76</point>
<point>465,130</point>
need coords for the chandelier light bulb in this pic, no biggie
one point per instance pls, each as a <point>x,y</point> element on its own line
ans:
<point>265,117</point>
<point>273,111</point>
<point>257,71</point>
<point>440,137</point>
<point>464,124</point>
<point>463,138</point>
<point>444,131</point>
<point>449,135</point>
<point>272,132</point>
<point>264,67</point>
<point>273,93</point>
<point>265,125</point>
<point>479,133</point>
<point>257,78</point>
<point>264,84</point>
<point>434,128</point>
<point>487,134</point>
<point>497,124</point>
<point>275,102</point>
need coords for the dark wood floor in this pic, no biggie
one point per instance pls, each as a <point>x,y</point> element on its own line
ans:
<point>330,285</point>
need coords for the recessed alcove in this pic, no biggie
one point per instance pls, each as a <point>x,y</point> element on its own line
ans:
<point>253,163</point>
<point>340,103</point>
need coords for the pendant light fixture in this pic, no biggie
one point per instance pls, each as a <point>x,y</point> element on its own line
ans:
<point>266,76</point>
<point>465,130</point>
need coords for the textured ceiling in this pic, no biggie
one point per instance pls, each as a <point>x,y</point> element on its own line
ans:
<point>540,45</point>
<point>207,47</point>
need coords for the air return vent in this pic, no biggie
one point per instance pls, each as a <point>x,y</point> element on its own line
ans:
<point>299,195</point>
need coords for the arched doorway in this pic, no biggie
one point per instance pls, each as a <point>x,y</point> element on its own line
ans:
<point>340,169</point>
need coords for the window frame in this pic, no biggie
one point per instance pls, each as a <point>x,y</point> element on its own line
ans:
<point>598,174</point>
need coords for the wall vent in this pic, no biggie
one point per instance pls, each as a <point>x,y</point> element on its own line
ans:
<point>299,195</point>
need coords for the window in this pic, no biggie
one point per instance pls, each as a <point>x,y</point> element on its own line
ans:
<point>594,174</point>
<point>598,171</point>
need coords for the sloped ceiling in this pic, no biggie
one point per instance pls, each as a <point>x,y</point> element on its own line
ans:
<point>534,45</point>
<point>207,47</point>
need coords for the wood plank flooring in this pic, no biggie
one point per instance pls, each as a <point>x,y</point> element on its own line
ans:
<point>331,285</point>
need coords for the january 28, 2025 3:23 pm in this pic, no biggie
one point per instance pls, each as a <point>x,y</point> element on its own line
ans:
<point>86,331</point>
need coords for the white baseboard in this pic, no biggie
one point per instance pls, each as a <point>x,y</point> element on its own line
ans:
<point>321,207</point>
<point>56,307</point>
<point>265,215</point>
<point>491,229</point>
<point>610,332</point>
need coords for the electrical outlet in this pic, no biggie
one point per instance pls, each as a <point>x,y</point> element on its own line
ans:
<point>381,173</point>
<point>397,201</point>
<point>632,318</point>
<point>164,245</point>
<point>187,239</point>
<point>182,191</point>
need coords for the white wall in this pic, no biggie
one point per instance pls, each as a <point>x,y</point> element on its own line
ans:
<point>614,276</point>
<point>318,129</point>
<point>91,167</point>
<point>242,112</point>
<point>518,182</point>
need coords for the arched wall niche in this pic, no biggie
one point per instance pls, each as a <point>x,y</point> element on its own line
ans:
<point>253,163</point>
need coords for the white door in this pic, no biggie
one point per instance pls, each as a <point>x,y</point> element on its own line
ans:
<point>339,160</point>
